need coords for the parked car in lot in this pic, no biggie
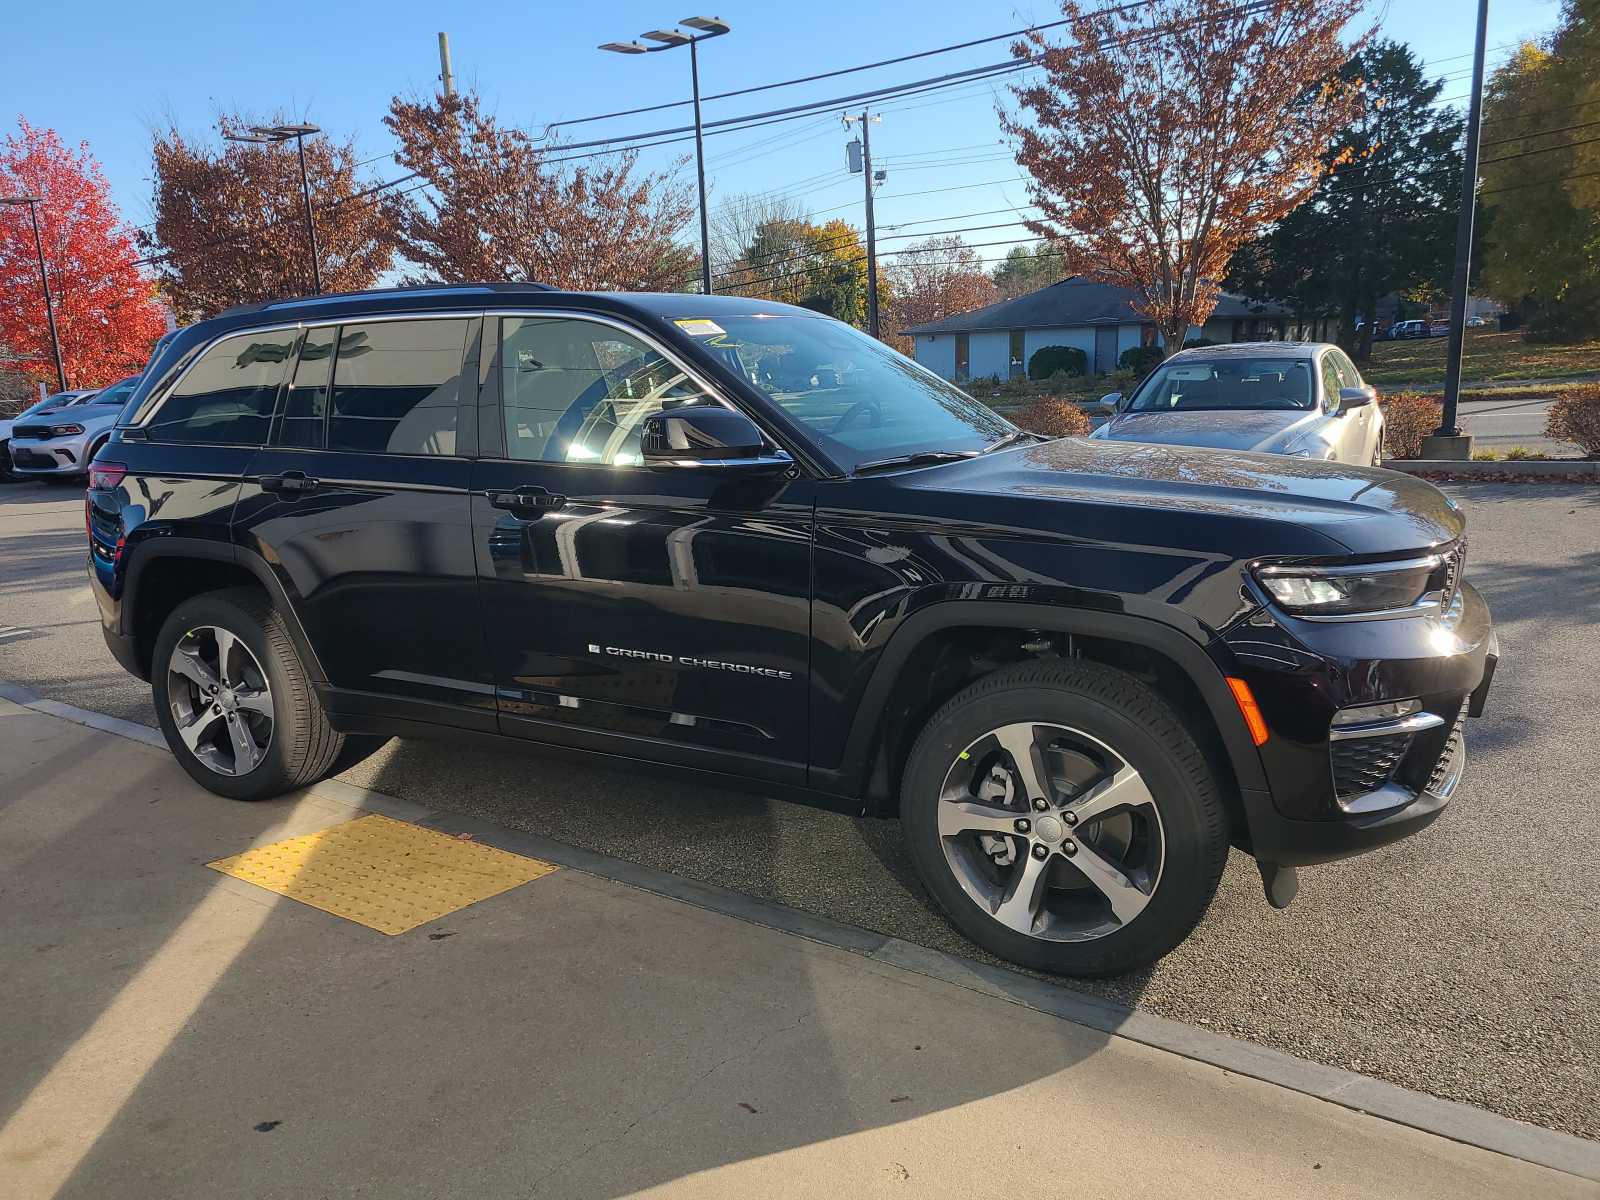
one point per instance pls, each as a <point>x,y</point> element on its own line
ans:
<point>1401,330</point>
<point>57,440</point>
<point>1300,398</point>
<point>747,545</point>
<point>59,400</point>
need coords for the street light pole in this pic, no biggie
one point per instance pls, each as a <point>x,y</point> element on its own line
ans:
<point>273,135</point>
<point>709,27</point>
<point>44,280</point>
<point>1447,440</point>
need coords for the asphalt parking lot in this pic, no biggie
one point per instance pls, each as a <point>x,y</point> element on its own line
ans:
<point>1461,962</point>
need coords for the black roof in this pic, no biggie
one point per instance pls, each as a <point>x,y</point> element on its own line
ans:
<point>1077,301</point>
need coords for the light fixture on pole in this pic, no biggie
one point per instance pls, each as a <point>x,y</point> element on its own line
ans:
<point>33,203</point>
<point>273,135</point>
<point>667,39</point>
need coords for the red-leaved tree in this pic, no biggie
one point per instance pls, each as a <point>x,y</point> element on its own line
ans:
<point>1164,136</point>
<point>935,278</point>
<point>106,312</point>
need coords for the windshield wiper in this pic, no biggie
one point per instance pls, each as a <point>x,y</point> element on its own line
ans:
<point>1010,439</point>
<point>918,459</point>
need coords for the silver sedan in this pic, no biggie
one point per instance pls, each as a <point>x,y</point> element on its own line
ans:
<point>1301,398</point>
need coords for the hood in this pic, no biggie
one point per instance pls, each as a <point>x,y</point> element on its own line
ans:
<point>1266,430</point>
<point>1336,507</point>
<point>86,415</point>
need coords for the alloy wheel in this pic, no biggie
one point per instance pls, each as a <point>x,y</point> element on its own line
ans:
<point>1051,832</point>
<point>220,699</point>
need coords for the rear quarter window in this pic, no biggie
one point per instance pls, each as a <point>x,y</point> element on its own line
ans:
<point>227,397</point>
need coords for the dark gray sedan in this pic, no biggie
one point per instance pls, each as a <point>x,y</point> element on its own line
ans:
<point>1301,398</point>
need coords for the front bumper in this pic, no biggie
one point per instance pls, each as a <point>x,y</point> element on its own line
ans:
<point>1316,807</point>
<point>52,456</point>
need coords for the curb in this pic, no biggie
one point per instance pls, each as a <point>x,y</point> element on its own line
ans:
<point>1561,470</point>
<point>1444,1118</point>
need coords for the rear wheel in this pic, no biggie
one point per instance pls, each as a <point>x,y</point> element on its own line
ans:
<point>235,702</point>
<point>1064,818</point>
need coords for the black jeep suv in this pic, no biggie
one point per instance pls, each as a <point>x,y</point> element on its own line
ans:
<point>734,539</point>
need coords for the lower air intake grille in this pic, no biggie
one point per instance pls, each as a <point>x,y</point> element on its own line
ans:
<point>1362,765</point>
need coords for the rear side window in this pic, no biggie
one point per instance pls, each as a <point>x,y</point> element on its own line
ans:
<point>227,397</point>
<point>397,387</point>
<point>305,408</point>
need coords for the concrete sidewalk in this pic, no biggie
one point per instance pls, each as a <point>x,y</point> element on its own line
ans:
<point>172,1032</point>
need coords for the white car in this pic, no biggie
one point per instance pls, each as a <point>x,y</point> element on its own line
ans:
<point>1300,398</point>
<point>59,437</point>
<point>59,400</point>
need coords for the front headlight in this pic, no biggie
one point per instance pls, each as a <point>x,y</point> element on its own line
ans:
<point>1375,589</point>
<point>65,430</point>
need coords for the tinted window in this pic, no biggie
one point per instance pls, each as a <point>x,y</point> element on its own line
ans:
<point>578,391</point>
<point>228,395</point>
<point>396,387</point>
<point>306,405</point>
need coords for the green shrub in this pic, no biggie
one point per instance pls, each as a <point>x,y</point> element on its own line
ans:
<point>1141,360</point>
<point>1057,360</point>
<point>1486,456</point>
<point>1196,343</point>
<point>1407,419</point>
<point>1575,417</point>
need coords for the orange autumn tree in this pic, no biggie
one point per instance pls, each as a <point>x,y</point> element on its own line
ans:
<point>932,279</point>
<point>106,312</point>
<point>1163,137</point>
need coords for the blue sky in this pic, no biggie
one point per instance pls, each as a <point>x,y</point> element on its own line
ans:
<point>108,72</point>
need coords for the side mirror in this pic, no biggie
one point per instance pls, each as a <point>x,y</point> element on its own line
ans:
<point>706,437</point>
<point>1356,397</point>
<point>1111,401</point>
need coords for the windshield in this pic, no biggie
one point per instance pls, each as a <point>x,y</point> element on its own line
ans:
<point>117,393</point>
<point>1251,383</point>
<point>861,401</point>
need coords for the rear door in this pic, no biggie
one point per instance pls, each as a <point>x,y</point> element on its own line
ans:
<point>663,614</point>
<point>360,504</point>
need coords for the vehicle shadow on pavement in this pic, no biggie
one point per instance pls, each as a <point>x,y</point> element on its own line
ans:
<point>568,1037</point>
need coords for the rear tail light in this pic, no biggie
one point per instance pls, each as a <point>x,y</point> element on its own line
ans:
<point>106,475</point>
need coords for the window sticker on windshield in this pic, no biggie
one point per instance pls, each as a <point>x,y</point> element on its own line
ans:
<point>699,326</point>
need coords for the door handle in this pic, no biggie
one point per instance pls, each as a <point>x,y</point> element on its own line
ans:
<point>528,501</point>
<point>296,482</point>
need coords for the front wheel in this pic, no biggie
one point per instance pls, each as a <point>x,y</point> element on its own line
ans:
<point>1064,819</point>
<point>234,701</point>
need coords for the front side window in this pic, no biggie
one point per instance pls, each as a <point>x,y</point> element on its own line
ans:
<point>578,391</point>
<point>227,397</point>
<point>857,399</point>
<point>396,386</point>
<point>1330,381</point>
<point>1348,375</point>
<point>1224,383</point>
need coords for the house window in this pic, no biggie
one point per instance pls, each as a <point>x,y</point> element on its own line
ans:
<point>1147,335</point>
<point>1018,367</point>
<point>963,357</point>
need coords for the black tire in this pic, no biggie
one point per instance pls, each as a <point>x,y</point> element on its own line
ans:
<point>1124,714</point>
<point>303,746</point>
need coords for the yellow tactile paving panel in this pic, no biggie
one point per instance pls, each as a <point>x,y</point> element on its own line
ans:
<point>385,874</point>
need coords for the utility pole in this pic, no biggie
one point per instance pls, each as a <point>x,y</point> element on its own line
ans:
<point>44,281</point>
<point>445,76</point>
<point>1448,441</point>
<point>870,180</point>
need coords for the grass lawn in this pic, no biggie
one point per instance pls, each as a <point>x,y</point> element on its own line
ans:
<point>1490,355</point>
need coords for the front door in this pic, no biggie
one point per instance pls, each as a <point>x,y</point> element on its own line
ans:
<point>1105,349</point>
<point>360,504</point>
<point>663,614</point>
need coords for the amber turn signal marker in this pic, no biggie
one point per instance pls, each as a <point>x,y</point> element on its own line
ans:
<point>1250,709</point>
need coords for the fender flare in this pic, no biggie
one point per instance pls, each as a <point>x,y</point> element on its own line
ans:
<point>147,550</point>
<point>1181,649</point>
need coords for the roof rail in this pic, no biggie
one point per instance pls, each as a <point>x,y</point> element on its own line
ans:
<point>412,288</point>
